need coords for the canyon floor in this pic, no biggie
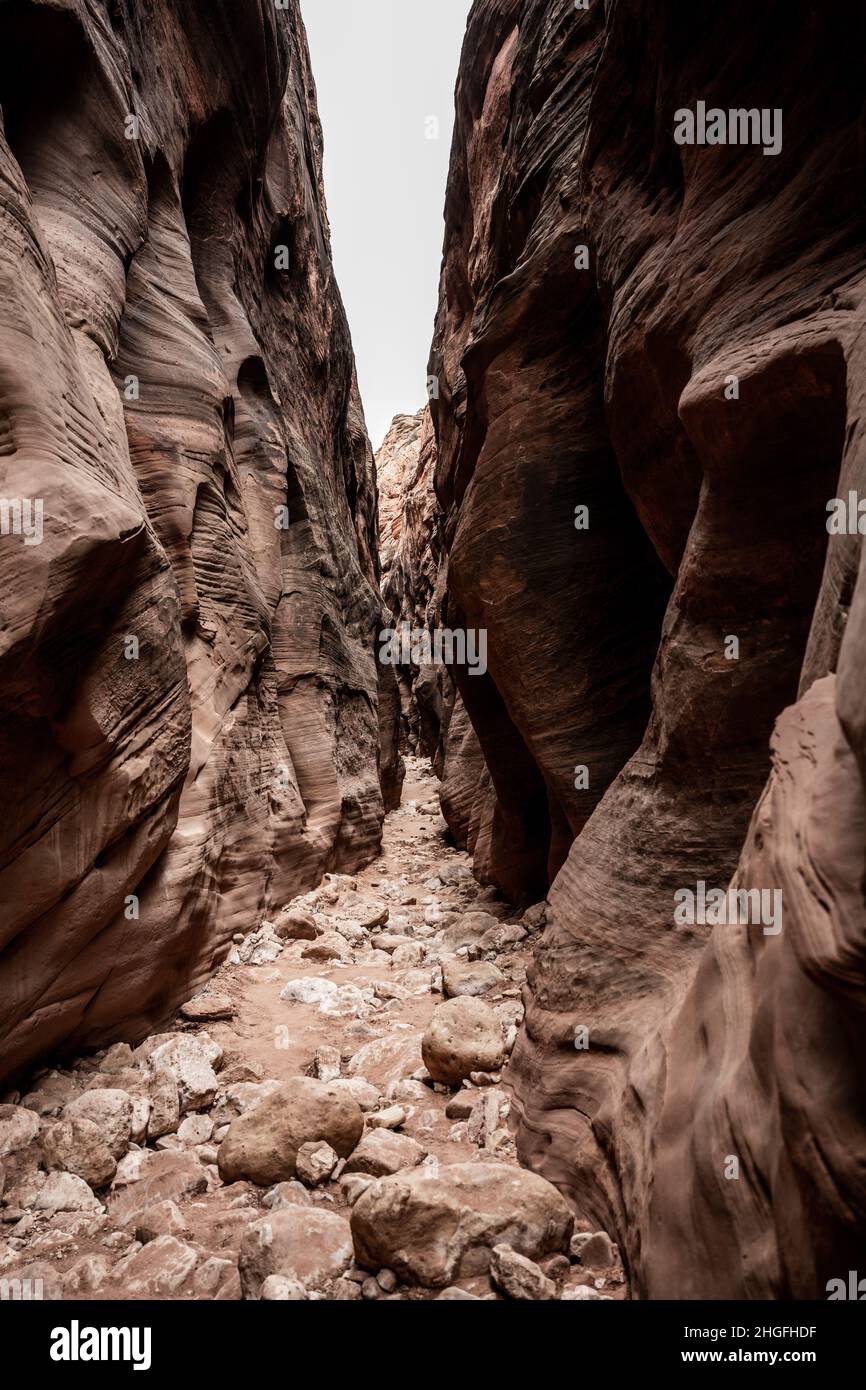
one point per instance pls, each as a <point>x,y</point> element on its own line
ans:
<point>347,1004</point>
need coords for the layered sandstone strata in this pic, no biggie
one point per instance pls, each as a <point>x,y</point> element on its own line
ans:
<point>669,336</point>
<point>413,570</point>
<point>187,660</point>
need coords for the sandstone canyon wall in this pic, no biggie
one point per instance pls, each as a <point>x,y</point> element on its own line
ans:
<point>190,693</point>
<point>412,566</point>
<point>414,586</point>
<point>671,337</point>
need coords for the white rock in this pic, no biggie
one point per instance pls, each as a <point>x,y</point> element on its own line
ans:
<point>111,1111</point>
<point>208,1276</point>
<point>277,1288</point>
<point>141,1108</point>
<point>327,1064</point>
<point>195,1129</point>
<point>353,1184</point>
<point>66,1192</point>
<point>315,1163</point>
<point>286,1194</point>
<point>391,1118</point>
<point>312,989</point>
<point>519,1277</point>
<point>18,1128</point>
<point>188,1061</point>
<point>301,1243</point>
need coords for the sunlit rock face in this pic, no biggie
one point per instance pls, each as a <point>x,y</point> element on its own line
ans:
<point>671,337</point>
<point>191,698</point>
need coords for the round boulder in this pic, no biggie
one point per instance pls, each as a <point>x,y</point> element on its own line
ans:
<point>110,1111</point>
<point>262,1144</point>
<point>76,1146</point>
<point>433,1227</point>
<point>460,978</point>
<point>463,1036</point>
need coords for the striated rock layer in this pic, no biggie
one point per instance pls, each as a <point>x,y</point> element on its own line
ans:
<point>413,571</point>
<point>671,337</point>
<point>190,693</point>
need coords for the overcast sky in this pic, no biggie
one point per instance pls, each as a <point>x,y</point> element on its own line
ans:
<point>382,69</point>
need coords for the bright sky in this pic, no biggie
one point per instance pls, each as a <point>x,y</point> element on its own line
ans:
<point>383,69</point>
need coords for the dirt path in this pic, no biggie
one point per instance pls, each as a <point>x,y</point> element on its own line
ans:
<point>364,987</point>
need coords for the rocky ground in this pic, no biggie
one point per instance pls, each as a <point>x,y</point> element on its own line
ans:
<point>329,1120</point>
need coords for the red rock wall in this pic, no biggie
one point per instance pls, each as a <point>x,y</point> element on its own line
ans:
<point>220,772</point>
<point>523,441</point>
<point>607,387</point>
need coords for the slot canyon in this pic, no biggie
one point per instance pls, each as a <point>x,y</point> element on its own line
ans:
<point>328,977</point>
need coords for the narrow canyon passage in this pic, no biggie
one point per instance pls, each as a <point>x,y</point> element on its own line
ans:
<point>318,1024</point>
<point>364,805</point>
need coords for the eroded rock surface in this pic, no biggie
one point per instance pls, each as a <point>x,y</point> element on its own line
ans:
<point>191,699</point>
<point>414,574</point>
<point>670,337</point>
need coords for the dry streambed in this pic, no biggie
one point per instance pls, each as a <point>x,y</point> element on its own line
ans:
<point>329,1120</point>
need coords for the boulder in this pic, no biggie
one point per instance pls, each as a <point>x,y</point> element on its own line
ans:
<point>66,1192</point>
<point>463,1036</point>
<point>263,1144</point>
<point>327,1063</point>
<point>208,1008</point>
<point>171,1175</point>
<point>381,1152</point>
<point>110,1111</point>
<point>519,1277</point>
<point>315,1162</point>
<point>135,1083</point>
<point>311,989</point>
<point>278,1289</point>
<point>294,925</point>
<point>76,1145</point>
<point>374,917</point>
<point>432,1227</point>
<point>240,1097</point>
<point>303,1244</point>
<point>387,1059</point>
<point>18,1128</point>
<point>159,1219</point>
<point>460,978</point>
<point>330,946</point>
<point>195,1129</point>
<point>392,1117</point>
<point>361,1091</point>
<point>468,930</point>
<point>189,1060</point>
<point>159,1270</point>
